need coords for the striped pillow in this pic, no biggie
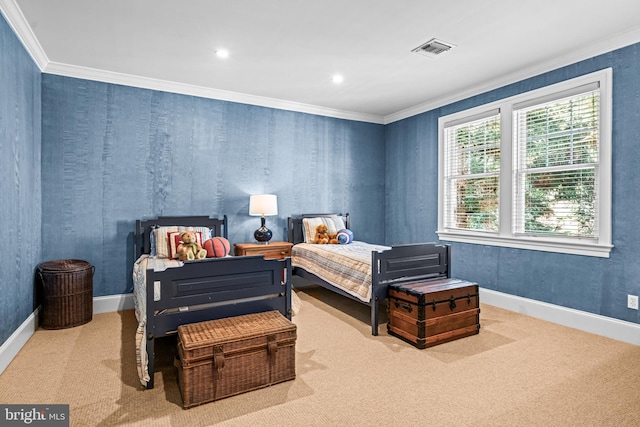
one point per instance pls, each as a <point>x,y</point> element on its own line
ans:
<point>334,223</point>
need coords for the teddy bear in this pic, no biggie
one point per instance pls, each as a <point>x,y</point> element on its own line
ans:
<point>323,237</point>
<point>189,248</point>
<point>333,239</point>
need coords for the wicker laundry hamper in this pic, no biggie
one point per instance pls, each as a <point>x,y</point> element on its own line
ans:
<point>66,292</point>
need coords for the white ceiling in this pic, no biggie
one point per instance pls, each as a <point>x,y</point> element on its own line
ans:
<point>283,53</point>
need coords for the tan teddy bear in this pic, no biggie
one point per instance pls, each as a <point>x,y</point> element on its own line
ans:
<point>323,237</point>
<point>189,248</point>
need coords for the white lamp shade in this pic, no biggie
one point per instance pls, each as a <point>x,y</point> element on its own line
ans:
<point>263,204</point>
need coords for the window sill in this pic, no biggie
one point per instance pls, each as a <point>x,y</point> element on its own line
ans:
<point>574,247</point>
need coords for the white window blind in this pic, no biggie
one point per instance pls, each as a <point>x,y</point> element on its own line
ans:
<point>557,166</point>
<point>532,171</point>
<point>472,174</point>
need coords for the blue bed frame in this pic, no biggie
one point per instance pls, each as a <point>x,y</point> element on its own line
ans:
<point>400,264</point>
<point>208,289</point>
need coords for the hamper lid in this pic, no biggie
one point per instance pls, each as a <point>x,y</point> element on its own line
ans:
<point>62,265</point>
<point>230,329</point>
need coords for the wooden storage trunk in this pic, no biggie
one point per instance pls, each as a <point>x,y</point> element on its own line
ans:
<point>225,357</point>
<point>433,312</point>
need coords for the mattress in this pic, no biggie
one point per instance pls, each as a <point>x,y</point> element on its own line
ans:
<point>347,267</point>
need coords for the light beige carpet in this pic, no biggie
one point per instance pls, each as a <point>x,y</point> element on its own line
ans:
<point>518,371</point>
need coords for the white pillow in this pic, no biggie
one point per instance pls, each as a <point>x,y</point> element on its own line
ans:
<point>334,224</point>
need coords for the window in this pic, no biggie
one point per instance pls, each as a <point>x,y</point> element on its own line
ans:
<point>472,172</point>
<point>532,171</point>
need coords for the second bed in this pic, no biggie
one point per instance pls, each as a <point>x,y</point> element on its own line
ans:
<point>359,270</point>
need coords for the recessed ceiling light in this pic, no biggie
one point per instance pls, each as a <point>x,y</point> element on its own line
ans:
<point>222,53</point>
<point>337,78</point>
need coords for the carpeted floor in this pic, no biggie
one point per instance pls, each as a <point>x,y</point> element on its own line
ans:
<point>518,371</point>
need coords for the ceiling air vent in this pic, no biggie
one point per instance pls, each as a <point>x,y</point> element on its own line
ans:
<point>433,47</point>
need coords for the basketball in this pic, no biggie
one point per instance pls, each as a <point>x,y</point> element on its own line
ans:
<point>217,247</point>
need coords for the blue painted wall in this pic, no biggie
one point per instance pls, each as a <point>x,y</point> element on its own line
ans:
<point>112,154</point>
<point>20,209</point>
<point>595,285</point>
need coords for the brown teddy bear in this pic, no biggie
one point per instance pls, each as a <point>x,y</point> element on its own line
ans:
<point>323,237</point>
<point>189,248</point>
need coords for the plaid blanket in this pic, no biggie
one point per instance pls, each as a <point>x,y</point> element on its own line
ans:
<point>140,300</point>
<point>347,267</point>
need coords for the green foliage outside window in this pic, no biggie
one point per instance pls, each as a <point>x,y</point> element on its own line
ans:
<point>477,166</point>
<point>559,141</point>
<point>560,176</point>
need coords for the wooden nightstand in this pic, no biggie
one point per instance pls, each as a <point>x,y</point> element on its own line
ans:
<point>277,250</point>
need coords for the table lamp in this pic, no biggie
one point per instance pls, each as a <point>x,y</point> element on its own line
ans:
<point>263,205</point>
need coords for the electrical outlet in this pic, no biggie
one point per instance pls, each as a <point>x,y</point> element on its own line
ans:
<point>632,301</point>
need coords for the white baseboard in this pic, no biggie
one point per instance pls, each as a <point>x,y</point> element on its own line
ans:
<point>110,303</point>
<point>19,338</point>
<point>593,323</point>
<point>10,348</point>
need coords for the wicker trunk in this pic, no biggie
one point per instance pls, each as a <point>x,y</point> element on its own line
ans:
<point>225,357</point>
<point>433,312</point>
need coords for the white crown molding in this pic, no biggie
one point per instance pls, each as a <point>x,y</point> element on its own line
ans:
<point>612,43</point>
<point>202,92</point>
<point>18,23</point>
<point>22,29</point>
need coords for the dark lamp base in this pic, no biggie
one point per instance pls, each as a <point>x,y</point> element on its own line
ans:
<point>262,234</point>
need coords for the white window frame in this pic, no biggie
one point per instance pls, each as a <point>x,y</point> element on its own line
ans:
<point>505,236</point>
